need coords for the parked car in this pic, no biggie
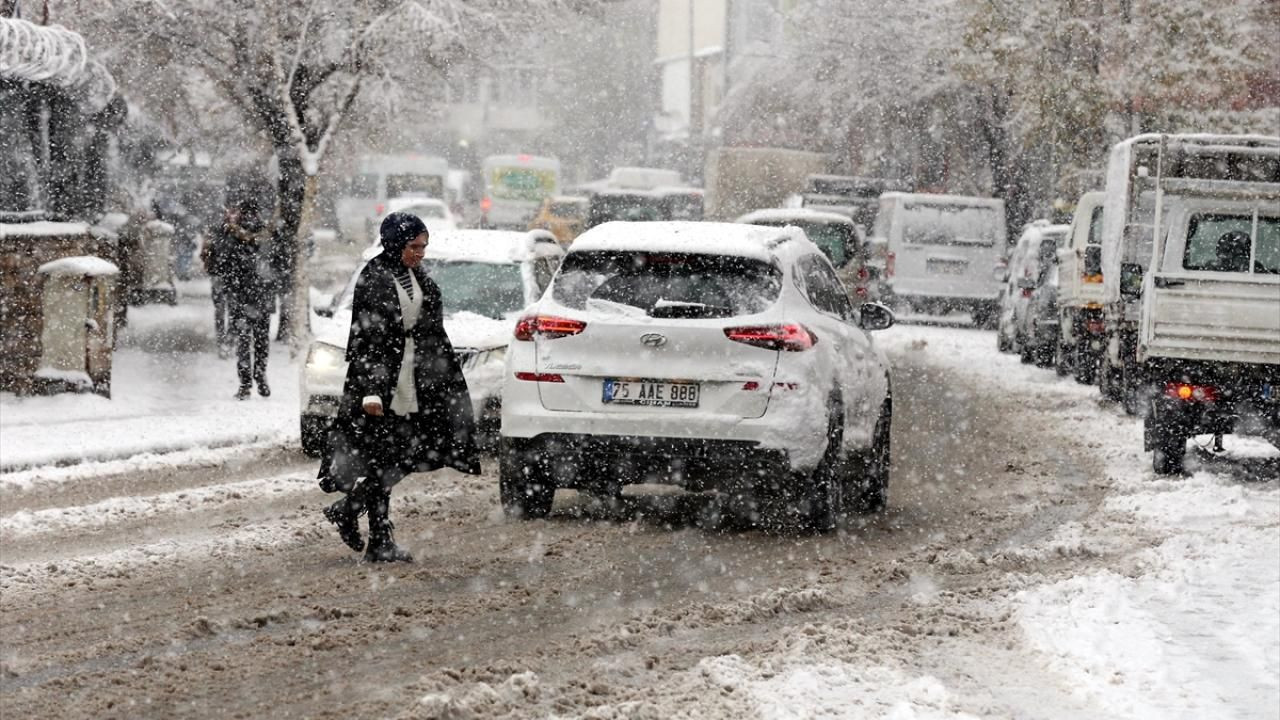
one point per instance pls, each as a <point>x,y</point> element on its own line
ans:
<point>564,216</point>
<point>432,211</point>
<point>836,235</point>
<point>705,355</point>
<point>944,252</point>
<point>1027,270</point>
<point>485,276</point>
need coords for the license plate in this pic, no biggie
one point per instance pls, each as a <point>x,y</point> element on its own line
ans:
<point>946,267</point>
<point>651,393</point>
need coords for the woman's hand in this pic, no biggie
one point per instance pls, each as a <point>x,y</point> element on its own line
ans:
<point>373,407</point>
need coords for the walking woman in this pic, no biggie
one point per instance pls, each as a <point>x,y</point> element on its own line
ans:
<point>405,406</point>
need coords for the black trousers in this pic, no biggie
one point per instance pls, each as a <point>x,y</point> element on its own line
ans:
<point>252,326</point>
<point>218,288</point>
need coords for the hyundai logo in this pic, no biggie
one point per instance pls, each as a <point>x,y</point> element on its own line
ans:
<point>653,340</point>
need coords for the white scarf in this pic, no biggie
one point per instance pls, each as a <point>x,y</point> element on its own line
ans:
<point>404,399</point>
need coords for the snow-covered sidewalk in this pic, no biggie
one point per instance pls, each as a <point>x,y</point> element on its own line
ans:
<point>170,392</point>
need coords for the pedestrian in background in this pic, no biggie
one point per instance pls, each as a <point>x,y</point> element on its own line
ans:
<point>212,255</point>
<point>405,405</point>
<point>242,257</point>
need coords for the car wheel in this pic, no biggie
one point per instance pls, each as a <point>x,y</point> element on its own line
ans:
<point>1061,359</point>
<point>315,434</point>
<point>1003,343</point>
<point>1024,352</point>
<point>826,486</point>
<point>870,490</point>
<point>525,486</point>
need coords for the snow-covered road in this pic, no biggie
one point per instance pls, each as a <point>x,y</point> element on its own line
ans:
<point>1029,566</point>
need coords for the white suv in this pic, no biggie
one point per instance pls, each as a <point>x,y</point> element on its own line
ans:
<point>705,355</point>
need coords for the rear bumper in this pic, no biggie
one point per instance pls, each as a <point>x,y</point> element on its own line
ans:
<point>604,461</point>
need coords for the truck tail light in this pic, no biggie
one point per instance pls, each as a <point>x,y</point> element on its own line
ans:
<point>1188,392</point>
<point>549,327</point>
<point>791,337</point>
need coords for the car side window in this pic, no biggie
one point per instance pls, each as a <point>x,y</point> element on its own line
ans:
<point>543,269</point>
<point>823,288</point>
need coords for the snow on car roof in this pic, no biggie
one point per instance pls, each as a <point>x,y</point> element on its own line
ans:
<point>43,228</point>
<point>487,246</point>
<point>936,199</point>
<point>774,215</point>
<point>710,238</point>
<point>83,265</point>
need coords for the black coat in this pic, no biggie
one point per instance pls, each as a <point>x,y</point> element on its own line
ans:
<point>240,258</point>
<point>444,428</point>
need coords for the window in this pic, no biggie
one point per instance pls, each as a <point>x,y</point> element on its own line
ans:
<point>935,224</point>
<point>405,184</point>
<point>1221,242</point>
<point>823,288</point>
<point>488,289</point>
<point>543,269</point>
<point>667,285</point>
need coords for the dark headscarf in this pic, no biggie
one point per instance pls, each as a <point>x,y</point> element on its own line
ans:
<point>399,229</point>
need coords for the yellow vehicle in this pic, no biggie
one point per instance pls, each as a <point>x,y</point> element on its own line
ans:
<point>563,215</point>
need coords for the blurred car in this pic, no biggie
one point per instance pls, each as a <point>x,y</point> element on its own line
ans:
<point>485,276</point>
<point>1027,270</point>
<point>432,211</point>
<point>837,236</point>
<point>564,216</point>
<point>658,204</point>
<point>712,356</point>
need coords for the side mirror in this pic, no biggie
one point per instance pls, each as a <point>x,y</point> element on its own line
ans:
<point>325,312</point>
<point>874,316</point>
<point>1130,280</point>
<point>1026,283</point>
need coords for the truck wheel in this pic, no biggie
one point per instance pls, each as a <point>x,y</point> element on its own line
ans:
<point>870,491</point>
<point>1025,352</point>
<point>315,435</point>
<point>525,486</point>
<point>1061,359</point>
<point>1168,454</point>
<point>1084,363</point>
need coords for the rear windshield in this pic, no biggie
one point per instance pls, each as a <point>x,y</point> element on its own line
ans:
<point>940,224</point>
<point>405,184</point>
<point>1227,243</point>
<point>667,285</point>
<point>835,240</point>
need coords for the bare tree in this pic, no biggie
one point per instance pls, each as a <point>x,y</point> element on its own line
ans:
<point>294,70</point>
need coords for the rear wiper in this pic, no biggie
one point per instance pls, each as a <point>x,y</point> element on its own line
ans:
<point>677,309</point>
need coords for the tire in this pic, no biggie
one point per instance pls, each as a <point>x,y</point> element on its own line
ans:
<point>1084,363</point>
<point>825,496</point>
<point>1061,360</point>
<point>315,434</point>
<point>1109,380</point>
<point>984,317</point>
<point>525,486</point>
<point>869,491</point>
<point>1025,353</point>
<point>1169,453</point>
<point>1003,343</point>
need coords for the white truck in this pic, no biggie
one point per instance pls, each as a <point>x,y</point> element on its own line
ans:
<point>378,178</point>
<point>1080,292</point>
<point>1191,280</point>
<point>945,252</point>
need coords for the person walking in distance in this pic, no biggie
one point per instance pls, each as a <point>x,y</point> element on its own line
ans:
<point>405,405</point>
<point>213,254</point>
<point>241,249</point>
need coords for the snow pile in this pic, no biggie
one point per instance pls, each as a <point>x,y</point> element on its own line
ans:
<point>1193,629</point>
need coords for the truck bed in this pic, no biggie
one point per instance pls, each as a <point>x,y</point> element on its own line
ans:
<point>1196,317</point>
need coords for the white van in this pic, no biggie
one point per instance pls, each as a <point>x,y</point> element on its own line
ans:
<point>945,252</point>
<point>363,199</point>
<point>514,188</point>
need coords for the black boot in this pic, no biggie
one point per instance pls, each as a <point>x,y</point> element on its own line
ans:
<point>382,546</point>
<point>345,514</point>
<point>263,389</point>
<point>243,392</point>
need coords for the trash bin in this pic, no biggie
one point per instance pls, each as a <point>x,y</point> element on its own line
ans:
<point>157,282</point>
<point>78,332</point>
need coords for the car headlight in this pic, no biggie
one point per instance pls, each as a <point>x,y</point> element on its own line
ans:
<point>326,357</point>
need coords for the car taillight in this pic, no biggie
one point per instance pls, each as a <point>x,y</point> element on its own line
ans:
<point>790,337</point>
<point>1095,327</point>
<point>547,326</point>
<point>863,274</point>
<point>1191,393</point>
<point>379,208</point>
<point>540,377</point>
<point>1026,292</point>
<point>485,204</point>
<point>890,261</point>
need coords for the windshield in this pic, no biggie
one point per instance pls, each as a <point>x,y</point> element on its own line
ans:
<point>488,289</point>
<point>667,284</point>
<point>518,183</point>
<point>950,224</point>
<point>405,184</point>
<point>425,211</point>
